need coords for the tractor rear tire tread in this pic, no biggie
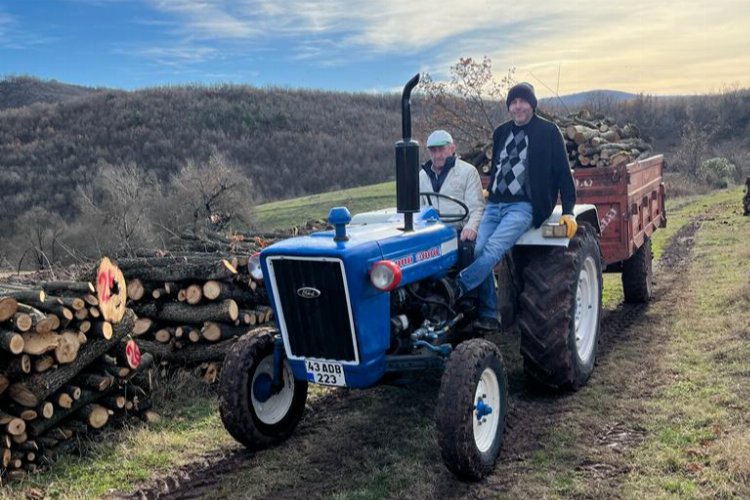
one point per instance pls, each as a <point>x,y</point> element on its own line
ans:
<point>547,308</point>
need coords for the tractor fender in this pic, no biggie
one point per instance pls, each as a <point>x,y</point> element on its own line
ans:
<point>582,213</point>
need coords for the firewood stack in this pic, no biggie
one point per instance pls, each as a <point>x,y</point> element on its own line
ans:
<point>194,300</point>
<point>191,307</point>
<point>590,141</point>
<point>597,141</point>
<point>67,366</point>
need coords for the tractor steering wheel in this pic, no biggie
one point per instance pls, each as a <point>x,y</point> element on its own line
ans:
<point>449,218</point>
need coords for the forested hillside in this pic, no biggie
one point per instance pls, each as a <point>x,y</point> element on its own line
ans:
<point>288,142</point>
<point>19,91</point>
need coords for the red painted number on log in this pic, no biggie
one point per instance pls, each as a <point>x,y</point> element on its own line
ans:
<point>104,282</point>
<point>133,353</point>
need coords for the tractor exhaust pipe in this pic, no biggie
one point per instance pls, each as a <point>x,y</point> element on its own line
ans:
<point>407,162</point>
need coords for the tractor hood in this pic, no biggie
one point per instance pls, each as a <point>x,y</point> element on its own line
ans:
<point>430,248</point>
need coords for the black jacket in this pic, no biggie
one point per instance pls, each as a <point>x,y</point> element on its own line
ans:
<point>549,170</point>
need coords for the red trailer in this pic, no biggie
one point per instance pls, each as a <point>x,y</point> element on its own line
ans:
<point>630,202</point>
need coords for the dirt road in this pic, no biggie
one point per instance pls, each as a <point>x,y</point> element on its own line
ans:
<point>381,442</point>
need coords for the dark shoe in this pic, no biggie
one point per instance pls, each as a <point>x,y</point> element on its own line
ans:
<point>451,290</point>
<point>486,324</point>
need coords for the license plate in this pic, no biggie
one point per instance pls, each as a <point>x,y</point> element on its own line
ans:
<point>325,372</point>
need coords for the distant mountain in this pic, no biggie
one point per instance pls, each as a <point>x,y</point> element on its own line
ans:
<point>592,96</point>
<point>20,91</point>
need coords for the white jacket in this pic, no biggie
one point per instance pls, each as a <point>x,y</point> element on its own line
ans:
<point>462,182</point>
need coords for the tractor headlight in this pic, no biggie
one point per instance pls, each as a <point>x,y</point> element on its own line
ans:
<point>253,267</point>
<point>385,275</point>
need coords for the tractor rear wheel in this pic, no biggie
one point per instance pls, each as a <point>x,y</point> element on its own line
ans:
<point>637,275</point>
<point>560,311</point>
<point>471,408</point>
<point>254,412</point>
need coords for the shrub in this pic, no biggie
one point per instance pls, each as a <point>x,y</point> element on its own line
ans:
<point>717,172</point>
<point>691,150</point>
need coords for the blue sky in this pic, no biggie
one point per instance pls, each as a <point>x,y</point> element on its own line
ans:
<point>666,47</point>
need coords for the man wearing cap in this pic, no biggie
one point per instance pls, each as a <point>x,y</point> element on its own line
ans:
<point>447,174</point>
<point>529,169</point>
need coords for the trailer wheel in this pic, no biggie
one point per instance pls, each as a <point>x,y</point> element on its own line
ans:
<point>471,408</point>
<point>251,411</point>
<point>637,275</point>
<point>560,311</point>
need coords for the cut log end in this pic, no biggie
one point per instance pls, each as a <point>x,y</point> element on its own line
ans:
<point>22,322</point>
<point>111,290</point>
<point>95,415</point>
<point>11,341</point>
<point>16,427</point>
<point>194,294</point>
<point>142,325</point>
<point>211,289</point>
<point>39,343</point>
<point>47,410</point>
<point>135,289</point>
<point>67,348</point>
<point>132,354</point>
<point>8,307</point>
<point>65,400</point>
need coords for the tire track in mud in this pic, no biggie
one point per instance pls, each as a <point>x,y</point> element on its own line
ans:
<point>532,413</point>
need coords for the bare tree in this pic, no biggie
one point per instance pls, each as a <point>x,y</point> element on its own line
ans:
<point>116,206</point>
<point>471,104</point>
<point>210,196</point>
<point>38,232</point>
<point>692,149</point>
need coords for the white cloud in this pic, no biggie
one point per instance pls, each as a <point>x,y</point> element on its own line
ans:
<point>7,23</point>
<point>5,20</point>
<point>15,36</point>
<point>639,45</point>
<point>173,56</point>
<point>214,19</point>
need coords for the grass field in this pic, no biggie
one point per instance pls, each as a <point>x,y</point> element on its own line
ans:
<point>666,414</point>
<point>290,213</point>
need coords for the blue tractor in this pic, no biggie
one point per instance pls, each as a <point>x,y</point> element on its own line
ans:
<point>365,304</point>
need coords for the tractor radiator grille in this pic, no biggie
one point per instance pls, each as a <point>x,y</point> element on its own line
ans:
<point>315,313</point>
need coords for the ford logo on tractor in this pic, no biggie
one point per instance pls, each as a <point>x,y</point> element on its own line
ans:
<point>308,292</point>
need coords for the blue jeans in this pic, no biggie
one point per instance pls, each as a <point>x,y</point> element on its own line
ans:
<point>501,226</point>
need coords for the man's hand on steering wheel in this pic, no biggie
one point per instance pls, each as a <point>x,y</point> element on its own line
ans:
<point>449,218</point>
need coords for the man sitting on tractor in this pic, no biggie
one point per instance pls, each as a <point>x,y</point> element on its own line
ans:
<point>447,174</point>
<point>529,169</point>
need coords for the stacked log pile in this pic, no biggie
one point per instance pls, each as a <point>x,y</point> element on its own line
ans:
<point>67,366</point>
<point>590,141</point>
<point>191,307</point>
<point>597,141</point>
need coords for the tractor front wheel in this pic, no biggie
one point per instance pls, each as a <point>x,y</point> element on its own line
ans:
<point>253,411</point>
<point>471,408</point>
